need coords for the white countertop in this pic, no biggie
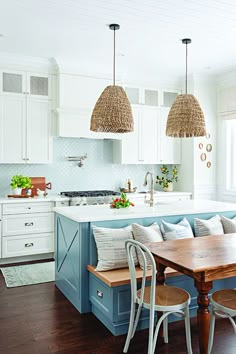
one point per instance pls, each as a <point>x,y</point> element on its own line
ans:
<point>158,194</point>
<point>48,198</point>
<point>104,212</point>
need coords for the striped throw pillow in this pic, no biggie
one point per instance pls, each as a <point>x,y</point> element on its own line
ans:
<point>229,225</point>
<point>111,247</point>
<point>145,234</point>
<point>212,226</point>
<point>176,231</point>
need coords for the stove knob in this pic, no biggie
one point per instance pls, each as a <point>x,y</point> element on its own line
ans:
<point>83,201</point>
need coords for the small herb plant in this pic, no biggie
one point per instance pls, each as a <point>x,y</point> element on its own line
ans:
<point>168,176</point>
<point>19,181</point>
<point>121,202</point>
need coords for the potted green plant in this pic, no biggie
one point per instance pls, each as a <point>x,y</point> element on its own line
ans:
<point>18,182</point>
<point>169,176</point>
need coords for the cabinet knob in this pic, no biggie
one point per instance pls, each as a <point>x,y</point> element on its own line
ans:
<point>29,244</point>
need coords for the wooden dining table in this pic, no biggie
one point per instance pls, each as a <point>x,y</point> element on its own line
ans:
<point>205,259</point>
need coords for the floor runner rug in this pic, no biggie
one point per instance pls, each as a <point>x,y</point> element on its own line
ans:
<point>29,274</point>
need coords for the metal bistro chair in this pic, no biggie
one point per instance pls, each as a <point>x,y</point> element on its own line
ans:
<point>163,298</point>
<point>223,304</point>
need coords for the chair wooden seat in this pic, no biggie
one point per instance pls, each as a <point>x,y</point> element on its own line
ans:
<point>165,295</point>
<point>223,304</point>
<point>226,298</point>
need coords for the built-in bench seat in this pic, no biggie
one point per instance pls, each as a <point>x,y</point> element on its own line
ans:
<point>110,296</point>
<point>119,277</point>
<point>109,291</point>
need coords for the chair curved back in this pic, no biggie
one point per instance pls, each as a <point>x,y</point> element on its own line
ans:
<point>146,297</point>
<point>143,252</point>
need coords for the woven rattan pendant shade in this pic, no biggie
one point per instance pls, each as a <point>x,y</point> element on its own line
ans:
<point>185,119</point>
<point>112,112</point>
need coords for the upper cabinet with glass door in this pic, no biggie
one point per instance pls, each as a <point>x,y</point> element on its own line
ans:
<point>34,85</point>
<point>143,96</point>
<point>152,145</point>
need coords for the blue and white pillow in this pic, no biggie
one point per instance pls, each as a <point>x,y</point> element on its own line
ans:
<point>212,226</point>
<point>111,247</point>
<point>176,231</point>
<point>145,234</point>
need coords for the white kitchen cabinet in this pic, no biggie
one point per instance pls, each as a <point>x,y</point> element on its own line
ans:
<point>148,144</point>
<point>34,85</point>
<point>25,118</point>
<point>27,229</point>
<point>139,146</point>
<point>143,96</point>
<point>169,149</point>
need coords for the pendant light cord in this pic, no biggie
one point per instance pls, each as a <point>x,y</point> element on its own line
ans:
<point>186,72</point>
<point>114,58</point>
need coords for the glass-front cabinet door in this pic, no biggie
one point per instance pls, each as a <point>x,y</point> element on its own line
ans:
<point>13,82</point>
<point>34,85</point>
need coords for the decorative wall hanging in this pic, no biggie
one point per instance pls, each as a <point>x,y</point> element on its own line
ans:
<point>208,164</point>
<point>203,156</point>
<point>112,112</point>
<point>208,147</point>
<point>185,118</point>
<point>200,145</point>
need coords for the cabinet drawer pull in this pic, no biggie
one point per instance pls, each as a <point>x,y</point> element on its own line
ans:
<point>29,244</point>
<point>100,294</point>
<point>29,224</point>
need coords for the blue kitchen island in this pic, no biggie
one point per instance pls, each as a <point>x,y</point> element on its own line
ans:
<point>76,249</point>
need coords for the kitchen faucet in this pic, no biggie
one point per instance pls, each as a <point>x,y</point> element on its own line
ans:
<point>151,200</point>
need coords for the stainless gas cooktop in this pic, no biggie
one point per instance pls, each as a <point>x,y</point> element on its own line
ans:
<point>90,197</point>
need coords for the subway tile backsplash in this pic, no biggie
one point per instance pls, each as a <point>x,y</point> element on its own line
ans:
<point>98,170</point>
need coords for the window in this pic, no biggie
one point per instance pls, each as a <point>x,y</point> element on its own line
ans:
<point>230,138</point>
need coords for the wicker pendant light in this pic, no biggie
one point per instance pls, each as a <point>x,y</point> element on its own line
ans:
<point>185,118</point>
<point>112,112</point>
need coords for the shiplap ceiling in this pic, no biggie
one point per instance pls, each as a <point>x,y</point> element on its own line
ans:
<point>148,43</point>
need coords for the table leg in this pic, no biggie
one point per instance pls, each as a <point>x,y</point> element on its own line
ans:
<point>203,315</point>
<point>160,273</point>
<point>160,281</point>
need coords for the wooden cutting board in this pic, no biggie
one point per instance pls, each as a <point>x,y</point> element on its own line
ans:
<point>40,183</point>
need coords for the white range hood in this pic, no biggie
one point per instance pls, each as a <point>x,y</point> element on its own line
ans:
<point>77,96</point>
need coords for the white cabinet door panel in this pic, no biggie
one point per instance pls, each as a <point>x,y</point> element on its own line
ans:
<point>27,224</point>
<point>15,246</point>
<point>38,131</point>
<point>13,123</point>
<point>170,148</point>
<point>148,135</point>
<point>27,208</point>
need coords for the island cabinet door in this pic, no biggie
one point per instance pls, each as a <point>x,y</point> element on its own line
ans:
<point>72,257</point>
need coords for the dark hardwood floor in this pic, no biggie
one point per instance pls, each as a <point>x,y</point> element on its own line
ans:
<point>38,319</point>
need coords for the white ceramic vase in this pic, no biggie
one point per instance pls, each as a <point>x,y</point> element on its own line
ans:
<point>169,188</point>
<point>17,191</point>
